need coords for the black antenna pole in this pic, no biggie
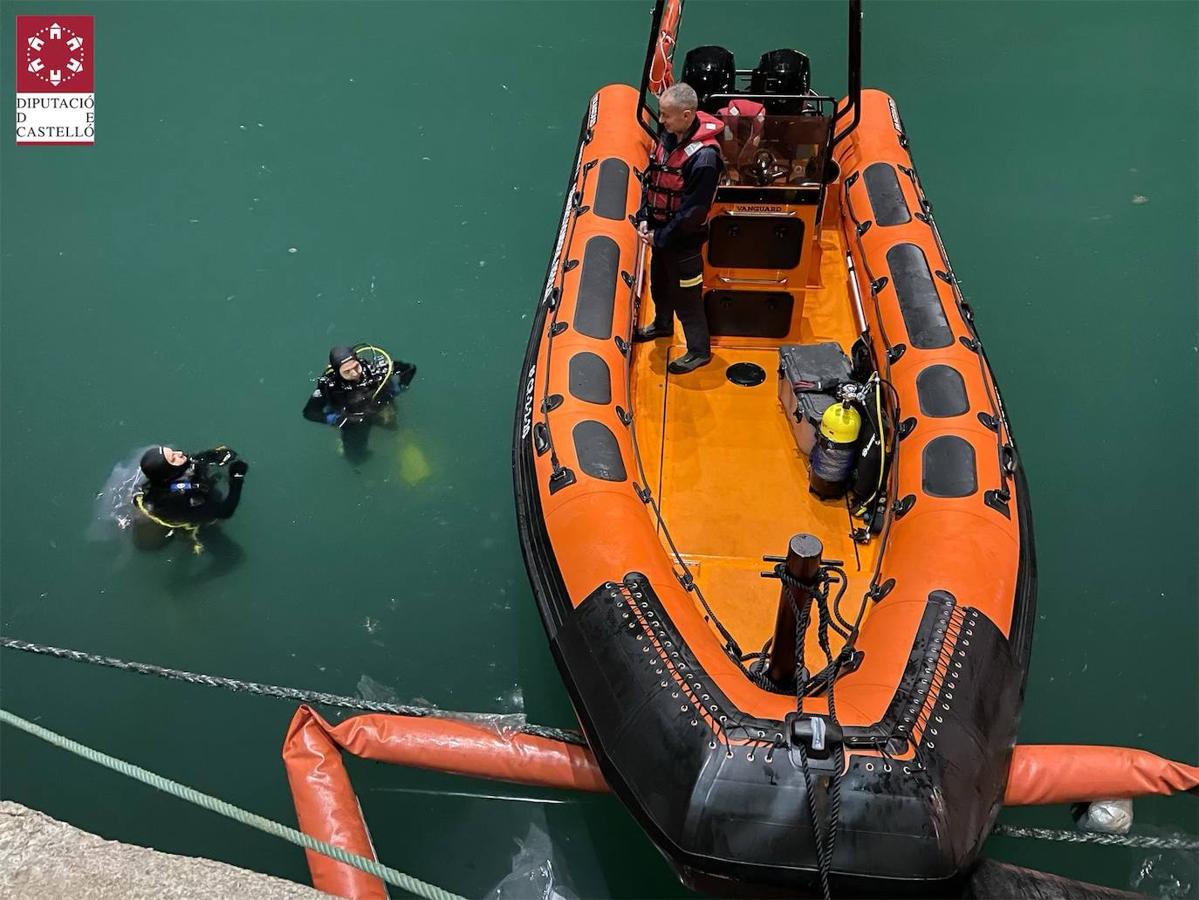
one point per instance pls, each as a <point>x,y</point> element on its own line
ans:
<point>854,78</point>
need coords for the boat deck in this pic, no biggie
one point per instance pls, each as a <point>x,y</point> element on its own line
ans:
<point>730,481</point>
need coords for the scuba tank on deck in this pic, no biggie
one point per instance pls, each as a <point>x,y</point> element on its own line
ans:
<point>833,454</point>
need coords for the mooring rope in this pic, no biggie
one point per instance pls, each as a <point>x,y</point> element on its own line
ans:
<point>558,734</point>
<point>1143,841</point>
<point>228,810</point>
<point>272,690</point>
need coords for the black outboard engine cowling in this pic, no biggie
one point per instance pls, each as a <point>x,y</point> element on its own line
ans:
<point>782,72</point>
<point>710,70</point>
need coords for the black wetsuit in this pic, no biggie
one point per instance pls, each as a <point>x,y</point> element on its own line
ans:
<point>336,401</point>
<point>202,494</point>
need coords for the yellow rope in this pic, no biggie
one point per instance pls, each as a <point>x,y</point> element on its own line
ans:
<point>192,531</point>
<point>390,365</point>
<point>387,356</point>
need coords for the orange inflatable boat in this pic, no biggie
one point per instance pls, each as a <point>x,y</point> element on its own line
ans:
<point>792,592</point>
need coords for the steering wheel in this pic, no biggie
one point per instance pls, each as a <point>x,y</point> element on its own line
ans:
<point>766,168</point>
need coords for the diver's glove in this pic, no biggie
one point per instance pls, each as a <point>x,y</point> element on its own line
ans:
<point>404,373</point>
<point>332,418</point>
<point>217,456</point>
<point>238,469</point>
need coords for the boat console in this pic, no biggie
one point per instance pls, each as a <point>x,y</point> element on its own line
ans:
<point>764,250</point>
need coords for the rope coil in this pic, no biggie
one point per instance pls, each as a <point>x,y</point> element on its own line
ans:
<point>816,594</point>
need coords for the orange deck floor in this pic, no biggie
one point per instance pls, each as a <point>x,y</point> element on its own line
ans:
<point>723,465</point>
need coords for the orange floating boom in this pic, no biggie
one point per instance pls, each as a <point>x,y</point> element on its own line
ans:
<point>327,808</point>
<point>325,801</point>
<point>1065,773</point>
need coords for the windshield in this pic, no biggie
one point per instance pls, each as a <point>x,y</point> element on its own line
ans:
<point>775,151</point>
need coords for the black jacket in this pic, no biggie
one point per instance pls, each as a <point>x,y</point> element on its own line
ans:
<point>338,402</point>
<point>202,494</point>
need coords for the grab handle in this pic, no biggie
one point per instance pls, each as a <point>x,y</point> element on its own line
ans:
<point>729,280</point>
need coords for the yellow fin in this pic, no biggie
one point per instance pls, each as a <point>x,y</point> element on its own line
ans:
<point>414,468</point>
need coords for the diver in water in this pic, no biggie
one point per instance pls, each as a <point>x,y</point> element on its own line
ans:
<point>355,390</point>
<point>183,492</point>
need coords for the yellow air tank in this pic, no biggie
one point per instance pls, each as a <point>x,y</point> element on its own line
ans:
<point>833,453</point>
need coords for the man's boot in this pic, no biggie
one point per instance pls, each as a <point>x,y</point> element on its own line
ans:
<point>652,332</point>
<point>689,362</point>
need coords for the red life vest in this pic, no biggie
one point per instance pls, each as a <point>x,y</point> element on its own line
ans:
<point>664,178</point>
<point>744,121</point>
<point>744,125</point>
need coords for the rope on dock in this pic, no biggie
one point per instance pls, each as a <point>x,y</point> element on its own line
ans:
<point>272,690</point>
<point>392,876</point>
<point>1148,842</point>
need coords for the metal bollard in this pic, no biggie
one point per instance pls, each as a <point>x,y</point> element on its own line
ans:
<point>802,563</point>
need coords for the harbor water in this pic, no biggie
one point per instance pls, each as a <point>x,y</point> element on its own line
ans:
<point>272,178</point>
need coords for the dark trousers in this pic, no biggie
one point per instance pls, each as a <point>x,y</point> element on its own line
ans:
<point>354,437</point>
<point>675,280</point>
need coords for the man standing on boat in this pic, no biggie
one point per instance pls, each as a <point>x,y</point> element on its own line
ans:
<point>680,185</point>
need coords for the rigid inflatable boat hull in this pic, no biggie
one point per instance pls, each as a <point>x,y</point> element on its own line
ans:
<point>677,735</point>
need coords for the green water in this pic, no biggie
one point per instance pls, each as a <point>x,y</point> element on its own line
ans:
<point>413,155</point>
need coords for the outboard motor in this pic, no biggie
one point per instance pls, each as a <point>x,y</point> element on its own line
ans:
<point>710,70</point>
<point>782,72</point>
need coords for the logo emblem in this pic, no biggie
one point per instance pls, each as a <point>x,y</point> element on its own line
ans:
<point>55,85</point>
<point>55,54</point>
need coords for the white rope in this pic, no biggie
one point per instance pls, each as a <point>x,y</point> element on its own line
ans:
<point>1180,842</point>
<point>228,810</point>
